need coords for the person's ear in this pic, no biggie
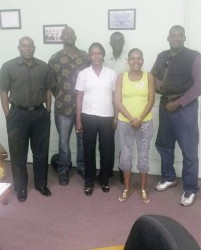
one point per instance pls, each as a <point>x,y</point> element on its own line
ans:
<point>19,49</point>
<point>168,38</point>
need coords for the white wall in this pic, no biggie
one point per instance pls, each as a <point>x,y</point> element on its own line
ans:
<point>89,19</point>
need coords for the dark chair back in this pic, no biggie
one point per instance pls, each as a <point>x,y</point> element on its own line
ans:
<point>156,232</point>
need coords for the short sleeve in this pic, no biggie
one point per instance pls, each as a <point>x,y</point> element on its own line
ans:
<point>114,80</point>
<point>50,82</point>
<point>80,82</point>
<point>5,81</point>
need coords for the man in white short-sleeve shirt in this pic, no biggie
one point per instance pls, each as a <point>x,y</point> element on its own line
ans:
<point>117,59</point>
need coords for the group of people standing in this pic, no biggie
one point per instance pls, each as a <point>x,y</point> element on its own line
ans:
<point>99,94</point>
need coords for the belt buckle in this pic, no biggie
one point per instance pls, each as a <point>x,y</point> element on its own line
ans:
<point>31,108</point>
<point>170,98</point>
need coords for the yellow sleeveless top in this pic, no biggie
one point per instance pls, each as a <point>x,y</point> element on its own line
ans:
<point>135,97</point>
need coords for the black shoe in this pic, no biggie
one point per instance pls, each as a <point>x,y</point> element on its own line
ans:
<point>64,179</point>
<point>105,189</point>
<point>44,190</point>
<point>81,173</point>
<point>88,191</point>
<point>22,195</point>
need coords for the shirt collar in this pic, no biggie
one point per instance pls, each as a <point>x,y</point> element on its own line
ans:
<point>64,53</point>
<point>22,61</point>
<point>111,58</point>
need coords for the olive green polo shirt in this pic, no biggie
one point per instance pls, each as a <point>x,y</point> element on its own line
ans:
<point>26,86</point>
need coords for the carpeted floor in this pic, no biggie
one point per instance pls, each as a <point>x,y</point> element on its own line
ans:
<point>69,220</point>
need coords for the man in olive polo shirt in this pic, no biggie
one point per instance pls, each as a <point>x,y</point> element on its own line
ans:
<point>26,83</point>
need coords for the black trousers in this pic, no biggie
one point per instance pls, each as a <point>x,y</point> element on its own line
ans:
<point>24,127</point>
<point>102,127</point>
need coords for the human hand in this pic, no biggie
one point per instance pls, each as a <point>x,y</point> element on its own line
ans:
<point>172,106</point>
<point>79,127</point>
<point>135,123</point>
<point>6,113</point>
<point>115,122</point>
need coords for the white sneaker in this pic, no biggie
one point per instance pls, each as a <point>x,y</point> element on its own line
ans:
<point>163,185</point>
<point>187,199</point>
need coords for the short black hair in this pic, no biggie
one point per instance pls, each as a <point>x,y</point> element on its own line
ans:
<point>99,45</point>
<point>177,27</point>
<point>134,50</point>
<point>116,33</point>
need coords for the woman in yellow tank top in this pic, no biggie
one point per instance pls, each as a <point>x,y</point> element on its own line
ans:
<point>134,97</point>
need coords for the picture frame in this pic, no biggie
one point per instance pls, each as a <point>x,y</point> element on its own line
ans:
<point>52,33</point>
<point>10,19</point>
<point>121,19</point>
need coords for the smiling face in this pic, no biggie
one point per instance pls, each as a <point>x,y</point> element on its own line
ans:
<point>135,60</point>
<point>176,37</point>
<point>26,48</point>
<point>96,55</point>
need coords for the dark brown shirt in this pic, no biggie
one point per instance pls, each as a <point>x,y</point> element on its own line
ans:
<point>66,68</point>
<point>26,85</point>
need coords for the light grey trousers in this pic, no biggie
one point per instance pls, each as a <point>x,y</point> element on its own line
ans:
<point>127,136</point>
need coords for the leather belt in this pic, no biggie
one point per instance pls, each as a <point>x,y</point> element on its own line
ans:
<point>172,97</point>
<point>27,108</point>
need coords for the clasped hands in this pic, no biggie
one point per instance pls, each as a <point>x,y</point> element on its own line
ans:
<point>135,123</point>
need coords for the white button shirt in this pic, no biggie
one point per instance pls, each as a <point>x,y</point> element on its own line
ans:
<point>120,65</point>
<point>98,91</point>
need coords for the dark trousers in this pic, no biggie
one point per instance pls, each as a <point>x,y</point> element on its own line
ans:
<point>24,126</point>
<point>180,126</point>
<point>103,127</point>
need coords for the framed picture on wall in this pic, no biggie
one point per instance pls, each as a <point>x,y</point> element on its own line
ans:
<point>121,19</point>
<point>10,19</point>
<point>52,33</point>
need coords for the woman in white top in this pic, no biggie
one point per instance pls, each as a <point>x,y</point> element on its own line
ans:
<point>95,116</point>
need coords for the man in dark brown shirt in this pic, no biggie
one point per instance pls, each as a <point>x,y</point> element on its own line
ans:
<point>66,65</point>
<point>26,83</point>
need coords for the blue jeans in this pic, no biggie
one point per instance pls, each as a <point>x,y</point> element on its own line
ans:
<point>180,126</point>
<point>64,125</point>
